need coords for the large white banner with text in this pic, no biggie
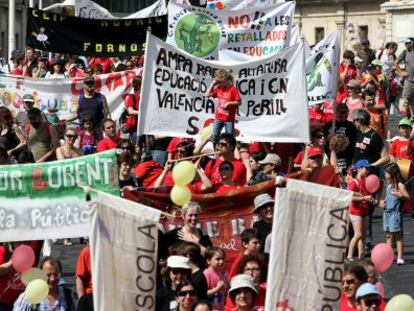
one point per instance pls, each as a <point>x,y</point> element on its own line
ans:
<point>273,90</point>
<point>309,240</point>
<point>256,31</point>
<point>124,244</point>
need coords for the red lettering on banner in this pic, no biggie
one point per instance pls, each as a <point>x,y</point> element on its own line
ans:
<point>235,22</point>
<point>37,180</point>
<point>113,81</point>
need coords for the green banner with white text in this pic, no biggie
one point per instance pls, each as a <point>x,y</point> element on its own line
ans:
<point>43,201</point>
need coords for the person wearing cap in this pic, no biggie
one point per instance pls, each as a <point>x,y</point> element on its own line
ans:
<point>28,103</point>
<point>92,103</point>
<point>313,158</point>
<point>354,99</point>
<point>242,293</point>
<point>263,207</point>
<point>403,146</point>
<point>317,141</point>
<point>359,209</point>
<point>368,298</point>
<point>57,71</point>
<point>270,167</point>
<point>17,57</point>
<point>407,56</point>
<point>178,270</point>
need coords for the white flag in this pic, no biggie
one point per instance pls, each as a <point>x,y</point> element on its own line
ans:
<point>124,243</point>
<point>273,94</point>
<point>322,70</point>
<point>309,239</point>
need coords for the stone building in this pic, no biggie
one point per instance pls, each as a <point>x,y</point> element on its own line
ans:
<point>378,20</point>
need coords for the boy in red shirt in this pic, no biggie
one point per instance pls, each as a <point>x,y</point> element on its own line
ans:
<point>228,101</point>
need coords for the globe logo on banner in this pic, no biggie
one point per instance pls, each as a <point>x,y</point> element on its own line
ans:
<point>197,34</point>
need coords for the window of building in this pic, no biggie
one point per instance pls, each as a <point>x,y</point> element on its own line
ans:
<point>363,32</point>
<point>3,52</point>
<point>319,34</point>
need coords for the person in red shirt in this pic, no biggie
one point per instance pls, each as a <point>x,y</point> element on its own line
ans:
<point>226,169</point>
<point>225,151</point>
<point>228,101</point>
<point>110,140</point>
<point>359,209</point>
<point>353,278</point>
<point>17,57</point>
<point>403,147</point>
<point>84,272</point>
<point>105,62</point>
<point>347,72</point>
<point>132,107</point>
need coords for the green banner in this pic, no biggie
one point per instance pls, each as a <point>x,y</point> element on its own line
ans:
<point>43,201</point>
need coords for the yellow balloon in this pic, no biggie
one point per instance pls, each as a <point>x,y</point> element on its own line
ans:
<point>401,302</point>
<point>180,195</point>
<point>36,291</point>
<point>206,132</point>
<point>183,173</point>
<point>33,274</point>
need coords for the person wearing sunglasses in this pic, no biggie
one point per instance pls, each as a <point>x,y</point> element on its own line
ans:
<point>68,149</point>
<point>186,296</point>
<point>354,275</point>
<point>318,140</point>
<point>354,100</point>
<point>368,298</point>
<point>226,170</point>
<point>178,271</point>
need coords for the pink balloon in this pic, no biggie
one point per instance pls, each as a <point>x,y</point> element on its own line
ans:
<point>382,256</point>
<point>380,288</point>
<point>372,182</point>
<point>23,258</point>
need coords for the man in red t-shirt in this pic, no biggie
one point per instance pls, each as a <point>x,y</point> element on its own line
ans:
<point>228,101</point>
<point>132,107</point>
<point>110,140</point>
<point>225,150</point>
<point>84,272</point>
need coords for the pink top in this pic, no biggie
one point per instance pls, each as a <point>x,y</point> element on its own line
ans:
<point>213,277</point>
<point>86,139</point>
<point>353,104</point>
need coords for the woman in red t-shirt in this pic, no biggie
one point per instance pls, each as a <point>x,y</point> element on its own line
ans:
<point>347,72</point>
<point>226,170</point>
<point>359,210</point>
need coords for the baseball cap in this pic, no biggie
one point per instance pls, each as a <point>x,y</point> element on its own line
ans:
<point>89,80</point>
<point>405,121</point>
<point>366,289</point>
<point>409,40</point>
<point>376,62</point>
<point>314,152</point>
<point>178,262</point>
<point>271,158</point>
<point>362,163</point>
<point>28,98</point>
<point>242,281</point>
<point>262,199</point>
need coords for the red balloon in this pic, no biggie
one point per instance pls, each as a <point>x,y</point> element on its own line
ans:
<point>372,182</point>
<point>23,258</point>
<point>382,256</point>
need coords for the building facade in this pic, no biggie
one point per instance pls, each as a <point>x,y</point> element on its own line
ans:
<point>377,20</point>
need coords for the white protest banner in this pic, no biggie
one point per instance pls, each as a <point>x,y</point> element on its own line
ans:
<point>64,93</point>
<point>309,240</point>
<point>255,31</point>
<point>92,10</point>
<point>124,244</point>
<point>322,70</point>
<point>43,201</point>
<point>273,90</point>
<point>230,4</point>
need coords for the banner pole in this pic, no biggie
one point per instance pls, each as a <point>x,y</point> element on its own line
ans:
<point>88,189</point>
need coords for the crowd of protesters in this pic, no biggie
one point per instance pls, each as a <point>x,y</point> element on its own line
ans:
<point>354,138</point>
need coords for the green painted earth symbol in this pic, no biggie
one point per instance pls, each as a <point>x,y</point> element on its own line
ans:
<point>197,34</point>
